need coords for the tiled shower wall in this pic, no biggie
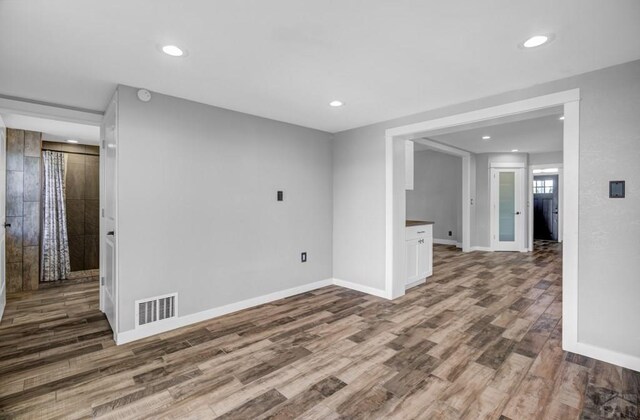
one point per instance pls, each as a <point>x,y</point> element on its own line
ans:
<point>82,201</point>
<point>23,210</point>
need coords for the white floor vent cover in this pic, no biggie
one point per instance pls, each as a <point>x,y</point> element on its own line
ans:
<point>156,309</point>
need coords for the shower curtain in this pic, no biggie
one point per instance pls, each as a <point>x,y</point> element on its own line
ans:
<point>55,242</point>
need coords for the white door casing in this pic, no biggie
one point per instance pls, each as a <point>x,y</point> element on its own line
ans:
<point>108,197</point>
<point>507,206</point>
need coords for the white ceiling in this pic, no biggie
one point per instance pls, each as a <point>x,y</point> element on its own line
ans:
<point>535,134</point>
<point>54,130</point>
<point>286,59</point>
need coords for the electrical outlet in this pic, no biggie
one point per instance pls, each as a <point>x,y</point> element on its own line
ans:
<point>449,233</point>
<point>303,257</point>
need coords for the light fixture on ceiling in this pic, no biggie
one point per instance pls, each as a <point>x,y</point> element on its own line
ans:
<point>514,150</point>
<point>561,118</point>
<point>486,137</point>
<point>173,51</point>
<point>336,103</point>
<point>537,41</point>
<point>72,141</point>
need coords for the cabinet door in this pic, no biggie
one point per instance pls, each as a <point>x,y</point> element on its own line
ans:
<point>422,258</point>
<point>413,255</point>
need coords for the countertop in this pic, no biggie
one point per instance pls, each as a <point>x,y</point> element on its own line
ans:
<point>417,223</point>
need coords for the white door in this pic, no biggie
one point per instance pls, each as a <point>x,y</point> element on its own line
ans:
<point>413,260</point>
<point>507,207</point>
<point>108,184</point>
<point>3,174</point>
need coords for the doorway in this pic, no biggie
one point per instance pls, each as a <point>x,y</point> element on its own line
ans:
<point>507,209</point>
<point>545,207</point>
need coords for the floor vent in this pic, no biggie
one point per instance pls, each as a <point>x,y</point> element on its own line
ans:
<point>156,309</point>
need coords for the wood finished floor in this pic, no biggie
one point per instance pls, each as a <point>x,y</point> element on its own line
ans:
<point>481,339</point>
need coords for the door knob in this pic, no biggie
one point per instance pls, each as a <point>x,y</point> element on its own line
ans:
<point>517,212</point>
<point>7,225</point>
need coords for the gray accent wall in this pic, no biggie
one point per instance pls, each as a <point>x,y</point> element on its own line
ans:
<point>609,247</point>
<point>437,193</point>
<point>545,158</point>
<point>197,208</point>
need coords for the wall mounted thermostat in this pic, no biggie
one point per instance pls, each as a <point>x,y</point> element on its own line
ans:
<point>616,189</point>
<point>144,95</point>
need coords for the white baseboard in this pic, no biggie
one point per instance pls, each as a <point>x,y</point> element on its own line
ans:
<point>360,288</point>
<point>3,301</point>
<point>482,248</point>
<point>605,355</point>
<point>183,321</point>
<point>447,242</point>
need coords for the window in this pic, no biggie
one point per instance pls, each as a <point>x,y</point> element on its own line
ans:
<point>543,186</point>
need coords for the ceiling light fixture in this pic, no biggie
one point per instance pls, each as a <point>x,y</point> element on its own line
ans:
<point>72,141</point>
<point>514,150</point>
<point>173,51</point>
<point>486,137</point>
<point>336,103</point>
<point>537,41</point>
<point>561,118</point>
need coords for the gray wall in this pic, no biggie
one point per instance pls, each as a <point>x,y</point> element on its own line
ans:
<point>545,158</point>
<point>609,248</point>
<point>437,193</point>
<point>197,204</point>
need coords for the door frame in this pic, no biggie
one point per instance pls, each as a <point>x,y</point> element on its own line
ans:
<point>395,196</point>
<point>521,240</point>
<point>560,198</point>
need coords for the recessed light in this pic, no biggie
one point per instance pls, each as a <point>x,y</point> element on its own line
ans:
<point>537,40</point>
<point>561,118</point>
<point>486,137</point>
<point>336,103</point>
<point>173,51</point>
<point>72,141</point>
<point>514,150</point>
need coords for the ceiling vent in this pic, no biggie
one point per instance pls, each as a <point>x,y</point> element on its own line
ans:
<point>156,309</point>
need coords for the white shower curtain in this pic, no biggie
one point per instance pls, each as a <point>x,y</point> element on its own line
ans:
<point>55,242</point>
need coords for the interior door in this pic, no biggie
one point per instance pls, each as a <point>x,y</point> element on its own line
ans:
<point>507,199</point>
<point>108,266</point>
<point>3,175</point>
<point>545,207</point>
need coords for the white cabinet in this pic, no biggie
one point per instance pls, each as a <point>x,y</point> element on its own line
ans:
<point>419,245</point>
<point>408,165</point>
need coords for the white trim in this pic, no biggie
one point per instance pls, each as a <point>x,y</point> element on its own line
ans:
<point>416,283</point>
<point>361,288</point>
<point>609,356</point>
<point>509,165</point>
<point>570,225</point>
<point>447,242</point>
<point>50,111</point>
<point>482,248</point>
<point>512,108</point>
<point>530,197</point>
<point>394,259</point>
<point>173,323</point>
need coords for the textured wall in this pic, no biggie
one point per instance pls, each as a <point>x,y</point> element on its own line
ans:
<point>82,190</point>
<point>23,210</point>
